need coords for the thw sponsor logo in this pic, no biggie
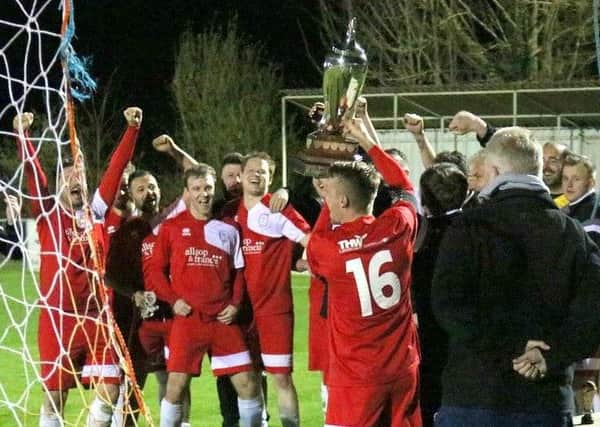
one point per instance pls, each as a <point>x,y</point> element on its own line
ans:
<point>353,243</point>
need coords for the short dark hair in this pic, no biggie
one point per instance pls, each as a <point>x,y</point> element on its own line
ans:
<point>443,188</point>
<point>455,157</point>
<point>260,155</point>
<point>360,180</point>
<point>233,158</point>
<point>138,173</point>
<point>201,170</point>
<point>396,152</point>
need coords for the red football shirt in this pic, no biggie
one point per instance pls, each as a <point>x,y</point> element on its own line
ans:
<point>198,261</point>
<point>268,241</point>
<point>366,264</point>
<point>66,266</point>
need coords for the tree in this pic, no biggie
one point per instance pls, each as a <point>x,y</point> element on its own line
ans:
<point>454,41</point>
<point>227,96</point>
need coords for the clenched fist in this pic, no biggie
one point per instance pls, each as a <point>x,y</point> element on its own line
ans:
<point>414,123</point>
<point>163,143</point>
<point>133,115</point>
<point>23,121</point>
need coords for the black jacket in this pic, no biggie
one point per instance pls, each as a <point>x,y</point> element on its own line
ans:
<point>433,339</point>
<point>509,271</point>
<point>582,209</point>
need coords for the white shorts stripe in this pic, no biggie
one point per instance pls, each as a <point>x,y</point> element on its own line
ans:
<point>103,371</point>
<point>231,360</point>
<point>277,360</point>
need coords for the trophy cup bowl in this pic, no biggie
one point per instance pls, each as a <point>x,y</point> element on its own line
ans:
<point>344,75</point>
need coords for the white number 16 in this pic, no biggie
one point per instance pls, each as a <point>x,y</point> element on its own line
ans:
<point>373,287</point>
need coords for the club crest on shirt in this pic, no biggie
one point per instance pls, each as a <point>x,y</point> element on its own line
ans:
<point>351,244</point>
<point>263,220</point>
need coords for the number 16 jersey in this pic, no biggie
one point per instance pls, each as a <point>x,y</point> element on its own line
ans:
<point>366,265</point>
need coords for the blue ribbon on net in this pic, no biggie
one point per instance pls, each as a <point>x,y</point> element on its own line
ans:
<point>82,85</point>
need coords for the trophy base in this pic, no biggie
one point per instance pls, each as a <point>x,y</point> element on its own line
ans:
<point>322,150</point>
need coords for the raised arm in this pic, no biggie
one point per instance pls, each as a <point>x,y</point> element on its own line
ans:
<point>363,114</point>
<point>37,182</point>
<point>415,125</point>
<point>465,122</point>
<point>165,144</point>
<point>111,180</point>
<point>393,174</point>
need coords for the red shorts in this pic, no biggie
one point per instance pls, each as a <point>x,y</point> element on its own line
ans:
<point>318,343</point>
<point>154,337</point>
<point>191,337</point>
<point>276,340</point>
<point>394,404</point>
<point>71,346</point>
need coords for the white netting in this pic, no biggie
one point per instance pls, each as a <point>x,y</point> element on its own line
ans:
<point>34,57</point>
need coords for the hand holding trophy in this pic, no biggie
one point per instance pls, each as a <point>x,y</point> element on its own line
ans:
<point>343,80</point>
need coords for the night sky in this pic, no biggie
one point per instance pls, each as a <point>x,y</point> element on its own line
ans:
<point>140,37</point>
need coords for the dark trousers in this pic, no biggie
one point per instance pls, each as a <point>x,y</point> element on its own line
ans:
<point>228,401</point>
<point>452,416</point>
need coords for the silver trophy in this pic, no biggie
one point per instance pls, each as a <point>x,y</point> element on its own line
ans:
<point>343,81</point>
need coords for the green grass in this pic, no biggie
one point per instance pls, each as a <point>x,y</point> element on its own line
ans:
<point>21,393</point>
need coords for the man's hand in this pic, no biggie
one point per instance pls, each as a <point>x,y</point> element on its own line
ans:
<point>13,209</point>
<point>139,299</point>
<point>532,364</point>
<point>181,308</point>
<point>133,115</point>
<point>227,315</point>
<point>414,123</point>
<point>279,200</point>
<point>302,265</point>
<point>163,143</point>
<point>22,121</point>
<point>361,107</point>
<point>315,114</point>
<point>464,122</point>
<point>354,129</point>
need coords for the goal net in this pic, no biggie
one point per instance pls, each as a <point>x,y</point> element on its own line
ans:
<point>40,73</point>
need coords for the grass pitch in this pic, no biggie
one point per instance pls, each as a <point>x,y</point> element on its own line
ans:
<point>21,393</point>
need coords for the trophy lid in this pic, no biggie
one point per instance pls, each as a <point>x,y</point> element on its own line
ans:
<point>350,53</point>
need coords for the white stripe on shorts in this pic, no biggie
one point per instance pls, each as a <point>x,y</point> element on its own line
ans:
<point>104,371</point>
<point>277,360</point>
<point>231,360</point>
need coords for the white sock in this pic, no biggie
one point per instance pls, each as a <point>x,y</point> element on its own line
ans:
<point>170,414</point>
<point>49,420</point>
<point>117,417</point>
<point>250,412</point>
<point>100,414</point>
<point>324,397</point>
<point>186,425</point>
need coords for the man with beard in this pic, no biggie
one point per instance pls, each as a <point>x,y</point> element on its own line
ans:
<point>552,172</point>
<point>72,313</point>
<point>131,247</point>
